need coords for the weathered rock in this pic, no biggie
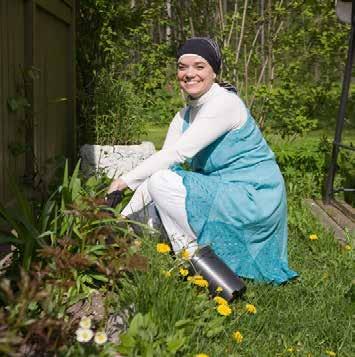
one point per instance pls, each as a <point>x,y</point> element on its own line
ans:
<point>93,307</point>
<point>117,323</point>
<point>114,160</point>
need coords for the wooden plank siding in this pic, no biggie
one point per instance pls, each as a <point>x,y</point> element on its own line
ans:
<point>38,34</point>
<point>11,123</point>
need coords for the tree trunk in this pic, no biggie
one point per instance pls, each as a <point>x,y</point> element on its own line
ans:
<point>262,32</point>
<point>168,27</point>
<point>241,31</point>
<point>270,43</point>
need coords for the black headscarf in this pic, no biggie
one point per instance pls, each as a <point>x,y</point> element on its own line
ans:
<point>204,47</point>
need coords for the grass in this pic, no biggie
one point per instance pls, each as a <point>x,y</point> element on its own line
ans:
<point>306,317</point>
<point>310,316</point>
<point>156,134</point>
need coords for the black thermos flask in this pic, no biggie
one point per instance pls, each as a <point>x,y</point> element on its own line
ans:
<point>206,263</point>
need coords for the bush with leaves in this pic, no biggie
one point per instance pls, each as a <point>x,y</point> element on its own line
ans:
<point>120,71</point>
<point>118,115</point>
<point>346,170</point>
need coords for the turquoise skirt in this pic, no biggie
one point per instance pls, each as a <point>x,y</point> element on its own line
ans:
<point>236,203</point>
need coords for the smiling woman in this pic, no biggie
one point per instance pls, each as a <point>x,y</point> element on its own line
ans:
<point>233,199</point>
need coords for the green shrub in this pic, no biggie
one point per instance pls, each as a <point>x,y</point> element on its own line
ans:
<point>302,165</point>
<point>288,108</point>
<point>299,88</point>
<point>117,112</point>
<point>346,169</point>
<point>163,104</point>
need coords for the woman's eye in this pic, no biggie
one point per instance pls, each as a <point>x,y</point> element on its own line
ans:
<point>200,67</point>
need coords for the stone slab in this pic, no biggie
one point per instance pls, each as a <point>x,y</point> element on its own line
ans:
<point>113,160</point>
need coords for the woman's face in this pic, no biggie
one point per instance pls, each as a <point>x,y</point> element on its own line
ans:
<point>195,75</point>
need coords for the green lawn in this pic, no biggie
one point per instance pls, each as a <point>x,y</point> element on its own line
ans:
<point>310,316</point>
<point>156,134</point>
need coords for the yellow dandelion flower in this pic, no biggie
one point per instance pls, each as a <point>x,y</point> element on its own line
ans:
<point>198,280</point>
<point>201,282</point>
<point>201,355</point>
<point>166,273</point>
<point>220,301</point>
<point>224,310</point>
<point>163,248</point>
<point>183,272</point>
<point>195,277</point>
<point>185,254</point>
<point>219,289</point>
<point>84,334</point>
<point>238,337</point>
<point>250,309</point>
<point>330,353</point>
<point>85,322</point>
<point>313,237</point>
<point>290,349</point>
<point>100,338</point>
<point>347,247</point>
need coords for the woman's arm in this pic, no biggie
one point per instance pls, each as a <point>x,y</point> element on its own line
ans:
<point>173,134</point>
<point>216,119</point>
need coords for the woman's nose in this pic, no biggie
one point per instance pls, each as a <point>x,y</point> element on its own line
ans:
<point>190,72</point>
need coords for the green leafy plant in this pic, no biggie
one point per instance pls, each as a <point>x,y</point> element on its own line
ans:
<point>288,109</point>
<point>346,164</point>
<point>27,227</point>
<point>118,113</point>
<point>143,338</point>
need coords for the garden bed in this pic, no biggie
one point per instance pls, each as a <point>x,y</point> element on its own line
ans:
<point>87,254</point>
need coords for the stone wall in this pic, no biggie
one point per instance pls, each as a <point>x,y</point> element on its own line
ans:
<point>114,160</point>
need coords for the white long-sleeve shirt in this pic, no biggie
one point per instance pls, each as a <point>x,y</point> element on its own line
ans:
<point>212,115</point>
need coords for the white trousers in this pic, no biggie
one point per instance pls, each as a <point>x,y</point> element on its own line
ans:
<point>163,192</point>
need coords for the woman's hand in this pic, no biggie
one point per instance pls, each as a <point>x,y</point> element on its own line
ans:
<point>117,184</point>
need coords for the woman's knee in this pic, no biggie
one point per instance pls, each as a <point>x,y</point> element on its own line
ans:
<point>157,183</point>
<point>161,183</point>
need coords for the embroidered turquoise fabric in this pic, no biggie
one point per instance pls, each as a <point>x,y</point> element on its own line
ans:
<point>236,203</point>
